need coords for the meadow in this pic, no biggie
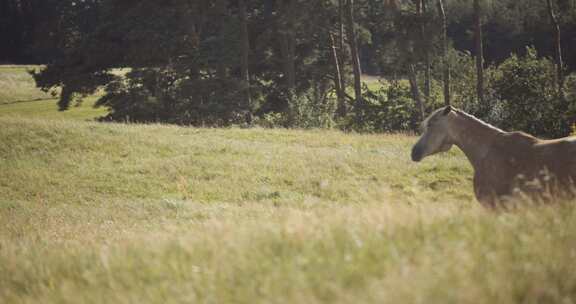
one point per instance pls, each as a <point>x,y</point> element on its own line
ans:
<point>17,85</point>
<point>98,212</point>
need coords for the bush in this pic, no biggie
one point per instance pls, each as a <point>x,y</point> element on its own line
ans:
<point>520,94</point>
<point>464,91</point>
<point>387,109</point>
<point>311,109</point>
<point>163,95</point>
<point>528,99</point>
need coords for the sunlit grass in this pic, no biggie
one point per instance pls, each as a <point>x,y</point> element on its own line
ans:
<point>16,85</point>
<point>19,97</point>
<point>126,213</point>
<point>94,212</point>
<point>48,109</point>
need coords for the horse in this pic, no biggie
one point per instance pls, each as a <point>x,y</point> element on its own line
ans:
<point>507,165</point>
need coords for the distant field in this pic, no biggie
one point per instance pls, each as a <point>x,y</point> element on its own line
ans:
<point>17,85</point>
<point>19,97</point>
<point>47,109</point>
<point>99,212</point>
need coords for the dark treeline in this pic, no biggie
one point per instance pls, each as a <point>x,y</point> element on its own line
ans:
<point>509,26</point>
<point>23,27</point>
<point>296,63</point>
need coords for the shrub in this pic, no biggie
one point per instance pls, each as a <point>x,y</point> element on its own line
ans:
<point>528,99</point>
<point>387,109</point>
<point>163,95</point>
<point>313,108</point>
<point>519,94</point>
<point>464,91</point>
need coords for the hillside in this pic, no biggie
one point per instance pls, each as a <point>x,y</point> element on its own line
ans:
<point>16,85</point>
<point>208,165</point>
<point>19,97</point>
<point>95,212</point>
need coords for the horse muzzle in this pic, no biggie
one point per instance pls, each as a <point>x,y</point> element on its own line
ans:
<point>417,153</point>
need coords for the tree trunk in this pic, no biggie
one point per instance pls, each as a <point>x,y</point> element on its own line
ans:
<point>355,60</point>
<point>288,42</point>
<point>427,47</point>
<point>445,61</point>
<point>415,90</point>
<point>420,9</point>
<point>341,109</point>
<point>66,95</point>
<point>342,45</point>
<point>221,70</point>
<point>245,71</point>
<point>479,52</point>
<point>558,48</point>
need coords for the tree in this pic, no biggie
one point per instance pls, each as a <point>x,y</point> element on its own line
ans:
<point>412,77</point>
<point>479,51</point>
<point>557,48</point>
<point>222,8</point>
<point>245,71</point>
<point>342,105</point>
<point>220,62</point>
<point>526,92</point>
<point>412,73</point>
<point>445,60</point>
<point>353,43</point>
<point>423,9</point>
<point>18,21</point>
<point>338,85</point>
<point>286,29</point>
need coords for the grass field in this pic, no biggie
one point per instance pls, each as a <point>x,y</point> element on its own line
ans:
<point>17,85</point>
<point>47,109</point>
<point>117,213</point>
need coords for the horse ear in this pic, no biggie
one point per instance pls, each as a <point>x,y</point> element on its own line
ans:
<point>447,110</point>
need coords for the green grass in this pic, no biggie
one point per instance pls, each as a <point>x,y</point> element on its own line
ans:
<point>93,212</point>
<point>47,109</point>
<point>128,213</point>
<point>17,85</point>
<point>19,97</point>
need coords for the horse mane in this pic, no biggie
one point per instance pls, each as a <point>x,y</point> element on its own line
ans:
<point>426,121</point>
<point>474,118</point>
<point>439,112</point>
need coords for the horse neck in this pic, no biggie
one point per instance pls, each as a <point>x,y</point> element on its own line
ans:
<point>473,137</point>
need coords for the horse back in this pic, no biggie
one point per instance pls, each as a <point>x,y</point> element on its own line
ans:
<point>520,155</point>
<point>559,155</point>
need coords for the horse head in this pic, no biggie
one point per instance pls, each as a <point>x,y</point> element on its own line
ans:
<point>436,136</point>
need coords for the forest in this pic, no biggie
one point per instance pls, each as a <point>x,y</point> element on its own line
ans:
<point>303,64</point>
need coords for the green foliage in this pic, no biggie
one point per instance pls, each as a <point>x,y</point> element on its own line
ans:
<point>528,97</point>
<point>310,110</point>
<point>165,95</point>
<point>192,75</point>
<point>520,94</point>
<point>390,108</point>
<point>464,86</point>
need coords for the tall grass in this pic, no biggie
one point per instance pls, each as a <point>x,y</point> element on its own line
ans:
<point>48,109</point>
<point>19,97</point>
<point>93,213</point>
<point>16,85</point>
<point>128,213</point>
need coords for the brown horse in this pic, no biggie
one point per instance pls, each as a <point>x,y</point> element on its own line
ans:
<point>505,164</point>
